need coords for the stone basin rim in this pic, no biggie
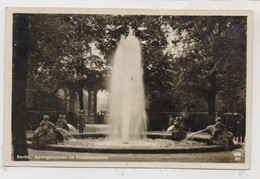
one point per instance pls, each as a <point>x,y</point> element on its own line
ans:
<point>196,149</point>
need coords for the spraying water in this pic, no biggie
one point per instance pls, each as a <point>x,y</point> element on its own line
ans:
<point>127,115</point>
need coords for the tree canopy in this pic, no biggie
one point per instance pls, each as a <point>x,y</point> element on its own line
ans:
<point>193,63</point>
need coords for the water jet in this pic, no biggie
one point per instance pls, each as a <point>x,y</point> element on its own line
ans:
<point>127,115</point>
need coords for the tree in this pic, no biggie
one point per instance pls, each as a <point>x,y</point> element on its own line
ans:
<point>207,63</point>
<point>20,55</point>
<point>185,58</point>
<point>63,54</point>
<point>78,67</point>
<point>158,70</point>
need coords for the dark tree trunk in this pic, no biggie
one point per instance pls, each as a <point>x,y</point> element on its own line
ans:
<point>95,105</point>
<point>212,97</point>
<point>20,55</point>
<point>81,103</point>
<point>89,102</point>
<point>72,100</point>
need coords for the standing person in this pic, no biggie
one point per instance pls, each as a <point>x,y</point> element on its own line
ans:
<point>81,121</point>
<point>76,120</point>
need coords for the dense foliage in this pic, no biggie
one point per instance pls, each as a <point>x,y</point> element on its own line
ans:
<point>194,63</point>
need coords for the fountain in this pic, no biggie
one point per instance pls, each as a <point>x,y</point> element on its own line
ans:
<point>127,115</point>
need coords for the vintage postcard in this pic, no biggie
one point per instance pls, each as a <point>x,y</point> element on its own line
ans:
<point>150,88</point>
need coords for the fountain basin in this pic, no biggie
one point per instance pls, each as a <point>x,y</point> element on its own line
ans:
<point>91,144</point>
<point>213,148</point>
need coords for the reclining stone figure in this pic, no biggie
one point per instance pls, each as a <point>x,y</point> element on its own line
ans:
<point>219,134</point>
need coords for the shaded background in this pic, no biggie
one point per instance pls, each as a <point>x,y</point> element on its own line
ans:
<point>155,172</point>
<point>194,67</point>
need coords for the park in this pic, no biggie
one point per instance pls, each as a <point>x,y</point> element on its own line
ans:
<point>129,88</point>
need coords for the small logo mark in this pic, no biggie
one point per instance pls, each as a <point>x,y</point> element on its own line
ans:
<point>237,154</point>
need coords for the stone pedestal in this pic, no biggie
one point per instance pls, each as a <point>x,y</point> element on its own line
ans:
<point>227,143</point>
<point>179,135</point>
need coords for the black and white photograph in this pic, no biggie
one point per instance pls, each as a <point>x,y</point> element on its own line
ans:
<point>128,88</point>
